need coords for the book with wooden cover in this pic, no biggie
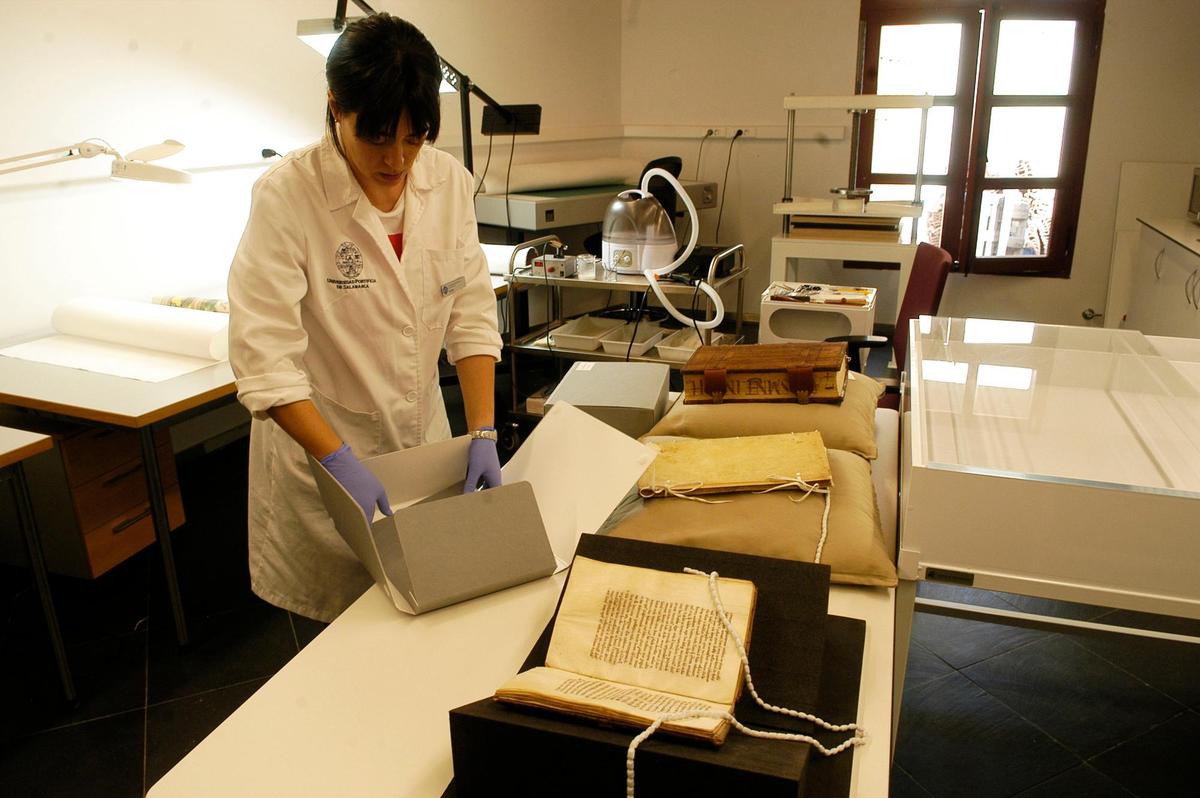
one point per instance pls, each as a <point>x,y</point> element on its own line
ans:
<point>726,465</point>
<point>630,644</point>
<point>795,372</point>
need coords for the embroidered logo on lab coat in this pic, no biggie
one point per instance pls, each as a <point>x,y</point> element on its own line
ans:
<point>349,259</point>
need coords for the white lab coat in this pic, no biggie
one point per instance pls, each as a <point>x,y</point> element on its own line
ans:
<point>321,309</point>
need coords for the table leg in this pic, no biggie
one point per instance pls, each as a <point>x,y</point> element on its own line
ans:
<point>779,264</point>
<point>906,597</point>
<point>37,563</point>
<point>162,529</point>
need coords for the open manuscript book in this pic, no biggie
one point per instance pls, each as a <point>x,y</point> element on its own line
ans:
<point>630,644</point>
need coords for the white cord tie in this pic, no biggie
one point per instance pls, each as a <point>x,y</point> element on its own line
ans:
<point>859,737</point>
<point>797,482</point>
<point>683,490</point>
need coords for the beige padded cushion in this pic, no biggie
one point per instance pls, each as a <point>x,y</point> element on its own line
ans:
<point>771,525</point>
<point>849,425</point>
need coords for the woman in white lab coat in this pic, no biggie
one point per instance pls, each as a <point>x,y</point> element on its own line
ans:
<point>359,262</point>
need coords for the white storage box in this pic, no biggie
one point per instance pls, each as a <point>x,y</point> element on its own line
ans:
<point>583,333</point>
<point>782,321</point>
<point>648,334</point>
<point>682,344</point>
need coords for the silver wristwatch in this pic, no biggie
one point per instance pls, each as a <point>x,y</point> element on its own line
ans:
<point>486,433</point>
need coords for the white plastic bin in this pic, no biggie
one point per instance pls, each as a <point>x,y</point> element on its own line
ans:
<point>584,333</point>
<point>617,343</point>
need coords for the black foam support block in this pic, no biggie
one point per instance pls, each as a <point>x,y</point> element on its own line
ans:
<point>503,749</point>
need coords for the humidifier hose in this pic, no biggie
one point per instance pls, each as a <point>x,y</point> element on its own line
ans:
<point>652,275</point>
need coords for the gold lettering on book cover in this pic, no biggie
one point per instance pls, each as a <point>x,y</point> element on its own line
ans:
<point>668,636</point>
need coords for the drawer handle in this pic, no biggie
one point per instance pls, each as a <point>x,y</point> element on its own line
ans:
<point>1189,288</point>
<point>121,527</point>
<point>1157,261</point>
<point>123,475</point>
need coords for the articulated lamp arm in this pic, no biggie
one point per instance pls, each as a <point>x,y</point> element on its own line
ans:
<point>84,149</point>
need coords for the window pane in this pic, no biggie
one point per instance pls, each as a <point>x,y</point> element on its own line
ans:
<point>1014,223</point>
<point>1034,56</point>
<point>897,132</point>
<point>929,226</point>
<point>1025,142</point>
<point>918,59</point>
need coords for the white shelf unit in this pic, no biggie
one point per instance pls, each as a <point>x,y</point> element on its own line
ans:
<point>534,341</point>
<point>785,247</point>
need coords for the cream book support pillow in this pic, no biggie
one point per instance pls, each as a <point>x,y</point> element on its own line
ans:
<point>849,425</point>
<point>773,525</point>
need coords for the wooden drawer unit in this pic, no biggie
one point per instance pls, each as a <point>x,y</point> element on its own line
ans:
<point>90,499</point>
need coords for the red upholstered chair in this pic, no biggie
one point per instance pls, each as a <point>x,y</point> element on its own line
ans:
<point>922,295</point>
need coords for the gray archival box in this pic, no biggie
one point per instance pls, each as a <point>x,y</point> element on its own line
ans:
<point>449,547</point>
<point>630,397</point>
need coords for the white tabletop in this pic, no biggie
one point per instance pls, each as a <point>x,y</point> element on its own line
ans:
<point>1029,399</point>
<point>103,397</point>
<point>363,709</point>
<point>17,444</point>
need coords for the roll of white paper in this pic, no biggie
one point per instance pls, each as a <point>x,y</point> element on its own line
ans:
<point>565,174</point>
<point>183,331</point>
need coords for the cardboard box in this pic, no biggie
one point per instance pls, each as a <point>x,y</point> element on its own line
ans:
<point>441,546</point>
<point>631,397</point>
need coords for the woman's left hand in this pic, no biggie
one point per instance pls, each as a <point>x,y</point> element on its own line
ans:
<point>483,464</point>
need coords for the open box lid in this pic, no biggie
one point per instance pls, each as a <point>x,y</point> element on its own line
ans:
<point>442,546</point>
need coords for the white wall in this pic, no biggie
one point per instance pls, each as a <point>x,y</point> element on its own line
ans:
<point>731,64</point>
<point>227,78</point>
<point>705,64</point>
<point>1147,109</point>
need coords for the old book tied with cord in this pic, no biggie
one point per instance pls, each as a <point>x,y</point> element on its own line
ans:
<point>631,643</point>
<point>687,466</point>
<point>794,372</point>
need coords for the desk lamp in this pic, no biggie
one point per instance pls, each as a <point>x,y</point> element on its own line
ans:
<point>320,34</point>
<point>134,166</point>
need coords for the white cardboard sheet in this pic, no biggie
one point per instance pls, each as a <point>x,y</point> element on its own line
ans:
<point>580,469</point>
<point>125,338</point>
<point>87,354</point>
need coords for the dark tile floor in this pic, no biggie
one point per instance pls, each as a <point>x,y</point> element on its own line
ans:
<point>988,710</point>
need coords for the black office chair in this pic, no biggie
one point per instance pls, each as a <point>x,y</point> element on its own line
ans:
<point>660,189</point>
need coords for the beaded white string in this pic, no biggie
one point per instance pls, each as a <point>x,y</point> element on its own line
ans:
<point>860,734</point>
<point>809,489</point>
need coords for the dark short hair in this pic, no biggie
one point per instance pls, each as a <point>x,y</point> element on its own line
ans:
<point>380,67</point>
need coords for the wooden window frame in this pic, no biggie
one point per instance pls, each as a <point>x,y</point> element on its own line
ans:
<point>973,104</point>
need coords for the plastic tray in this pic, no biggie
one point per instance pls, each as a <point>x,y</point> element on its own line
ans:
<point>682,344</point>
<point>584,333</point>
<point>617,343</point>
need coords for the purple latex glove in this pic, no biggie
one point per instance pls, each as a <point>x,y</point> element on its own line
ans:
<point>360,483</point>
<point>483,463</point>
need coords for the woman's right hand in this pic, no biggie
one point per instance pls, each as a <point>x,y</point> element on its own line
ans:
<point>361,484</point>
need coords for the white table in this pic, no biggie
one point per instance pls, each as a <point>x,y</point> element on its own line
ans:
<point>1073,458</point>
<point>783,320</point>
<point>363,710</point>
<point>95,398</point>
